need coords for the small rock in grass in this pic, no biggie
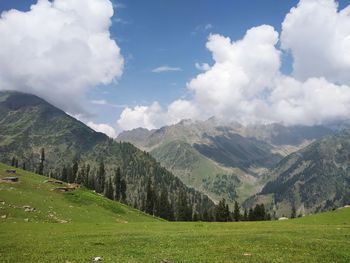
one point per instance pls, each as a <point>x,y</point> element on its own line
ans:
<point>4,216</point>
<point>165,261</point>
<point>97,259</point>
<point>26,220</point>
<point>247,254</point>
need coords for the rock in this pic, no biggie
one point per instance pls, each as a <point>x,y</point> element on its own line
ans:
<point>4,216</point>
<point>283,218</point>
<point>247,254</point>
<point>164,261</point>
<point>26,220</point>
<point>96,259</point>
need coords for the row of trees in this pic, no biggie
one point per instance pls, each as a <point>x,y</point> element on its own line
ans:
<point>155,201</point>
<point>223,214</point>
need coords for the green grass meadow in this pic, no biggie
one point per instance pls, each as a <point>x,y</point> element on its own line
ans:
<point>78,225</point>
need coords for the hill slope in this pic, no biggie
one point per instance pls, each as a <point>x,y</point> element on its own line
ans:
<point>80,225</point>
<point>315,178</point>
<point>34,199</point>
<point>76,153</point>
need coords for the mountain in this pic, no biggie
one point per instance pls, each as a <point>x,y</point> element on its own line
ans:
<point>313,179</point>
<point>45,139</point>
<point>221,159</point>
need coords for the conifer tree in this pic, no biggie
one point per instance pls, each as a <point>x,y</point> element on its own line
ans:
<point>75,168</point>
<point>13,161</point>
<point>294,212</point>
<point>150,198</point>
<point>100,178</point>
<point>236,212</point>
<point>42,160</point>
<point>117,183</point>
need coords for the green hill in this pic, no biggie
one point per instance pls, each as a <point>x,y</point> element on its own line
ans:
<point>79,225</point>
<point>34,199</point>
<point>76,153</point>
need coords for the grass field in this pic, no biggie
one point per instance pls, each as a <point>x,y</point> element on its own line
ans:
<point>76,226</point>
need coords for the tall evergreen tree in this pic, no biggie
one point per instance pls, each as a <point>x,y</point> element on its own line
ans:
<point>236,212</point>
<point>123,190</point>
<point>100,178</point>
<point>42,160</point>
<point>222,211</point>
<point>109,188</point>
<point>75,169</point>
<point>245,215</point>
<point>23,165</point>
<point>150,198</point>
<point>13,161</point>
<point>117,183</point>
<point>64,175</point>
<point>184,208</point>
<point>294,212</point>
<point>16,163</point>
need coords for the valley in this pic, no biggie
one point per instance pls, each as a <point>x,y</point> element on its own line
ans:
<point>95,226</point>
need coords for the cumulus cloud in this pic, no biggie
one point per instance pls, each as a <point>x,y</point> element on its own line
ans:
<point>59,50</point>
<point>104,128</point>
<point>318,37</point>
<point>202,66</point>
<point>165,69</point>
<point>245,82</point>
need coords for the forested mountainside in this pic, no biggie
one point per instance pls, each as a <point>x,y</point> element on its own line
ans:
<point>40,137</point>
<point>315,178</point>
<point>222,159</point>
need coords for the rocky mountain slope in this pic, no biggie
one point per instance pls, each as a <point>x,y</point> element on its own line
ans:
<point>222,159</point>
<point>313,179</point>
<point>29,124</point>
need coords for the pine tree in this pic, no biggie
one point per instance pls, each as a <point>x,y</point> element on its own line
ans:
<point>117,183</point>
<point>150,198</point>
<point>245,215</point>
<point>16,163</point>
<point>42,160</point>
<point>13,161</point>
<point>251,215</point>
<point>236,212</point>
<point>64,175</point>
<point>23,165</point>
<point>294,212</point>
<point>75,169</point>
<point>123,190</point>
<point>222,211</point>
<point>100,178</point>
<point>184,209</point>
<point>109,188</point>
<point>165,208</point>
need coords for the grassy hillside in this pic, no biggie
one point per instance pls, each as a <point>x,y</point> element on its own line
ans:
<point>81,205</point>
<point>99,227</point>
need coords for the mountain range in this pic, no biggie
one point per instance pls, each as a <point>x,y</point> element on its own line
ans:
<point>185,168</point>
<point>43,138</point>
<point>223,160</point>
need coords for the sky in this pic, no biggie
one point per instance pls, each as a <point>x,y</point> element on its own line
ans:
<point>119,65</point>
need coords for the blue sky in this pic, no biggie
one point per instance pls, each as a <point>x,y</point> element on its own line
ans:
<point>171,33</point>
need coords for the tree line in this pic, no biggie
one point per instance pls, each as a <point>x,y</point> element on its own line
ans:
<point>152,198</point>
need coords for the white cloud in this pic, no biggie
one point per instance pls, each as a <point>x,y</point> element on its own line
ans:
<point>59,50</point>
<point>148,117</point>
<point>104,128</point>
<point>202,67</point>
<point>318,37</point>
<point>99,102</point>
<point>165,69</point>
<point>245,82</point>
